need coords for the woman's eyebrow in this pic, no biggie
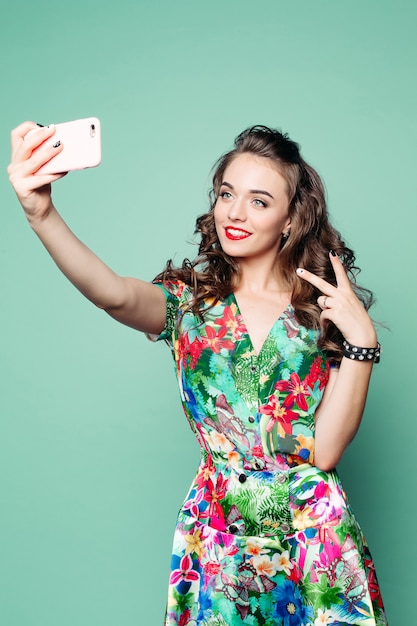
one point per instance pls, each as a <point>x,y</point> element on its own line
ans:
<point>254,191</point>
<point>261,191</point>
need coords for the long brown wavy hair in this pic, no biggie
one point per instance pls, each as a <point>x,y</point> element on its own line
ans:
<point>214,274</point>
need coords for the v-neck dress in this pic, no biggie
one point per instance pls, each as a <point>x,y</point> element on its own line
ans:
<point>263,536</point>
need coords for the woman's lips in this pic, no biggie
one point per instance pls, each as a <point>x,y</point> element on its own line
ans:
<point>236,233</point>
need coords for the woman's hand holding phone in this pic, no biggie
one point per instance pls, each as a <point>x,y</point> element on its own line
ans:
<point>29,153</point>
<point>42,155</point>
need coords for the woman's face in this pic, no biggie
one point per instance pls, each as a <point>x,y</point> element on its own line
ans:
<point>251,211</point>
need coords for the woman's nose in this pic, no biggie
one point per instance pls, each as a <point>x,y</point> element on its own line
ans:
<point>237,210</point>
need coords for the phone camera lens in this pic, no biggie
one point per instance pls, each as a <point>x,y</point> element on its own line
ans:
<point>92,130</point>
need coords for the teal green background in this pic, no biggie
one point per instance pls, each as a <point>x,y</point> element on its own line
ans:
<point>95,454</point>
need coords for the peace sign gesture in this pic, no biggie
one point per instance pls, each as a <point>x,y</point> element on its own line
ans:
<point>341,305</point>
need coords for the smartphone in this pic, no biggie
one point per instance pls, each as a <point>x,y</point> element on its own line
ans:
<point>82,146</point>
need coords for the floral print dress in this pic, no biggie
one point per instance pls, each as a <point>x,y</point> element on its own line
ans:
<point>263,536</point>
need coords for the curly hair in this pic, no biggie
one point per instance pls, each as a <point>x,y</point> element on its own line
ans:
<point>214,274</point>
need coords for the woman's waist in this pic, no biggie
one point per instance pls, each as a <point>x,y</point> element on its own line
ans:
<point>242,499</point>
<point>251,465</point>
<point>281,479</point>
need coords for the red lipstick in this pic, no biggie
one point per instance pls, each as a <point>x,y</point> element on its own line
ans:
<point>235,234</point>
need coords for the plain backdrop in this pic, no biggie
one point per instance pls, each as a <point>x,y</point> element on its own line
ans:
<point>95,453</point>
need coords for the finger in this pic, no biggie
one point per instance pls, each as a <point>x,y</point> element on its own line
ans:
<point>316,281</point>
<point>38,158</point>
<point>326,317</point>
<point>20,131</point>
<point>23,176</point>
<point>25,139</point>
<point>342,279</point>
<point>47,179</point>
<point>324,302</point>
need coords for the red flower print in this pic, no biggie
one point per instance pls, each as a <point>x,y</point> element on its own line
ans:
<point>205,473</point>
<point>257,451</point>
<point>191,350</point>
<point>296,574</point>
<point>185,618</point>
<point>298,391</point>
<point>231,322</point>
<point>317,373</point>
<point>214,494</point>
<point>215,340</point>
<point>212,568</point>
<point>185,572</point>
<point>373,583</point>
<point>278,414</point>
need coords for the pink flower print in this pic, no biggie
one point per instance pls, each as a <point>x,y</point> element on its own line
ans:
<point>185,572</point>
<point>331,552</point>
<point>321,490</point>
<point>329,504</point>
<point>192,504</point>
<point>297,391</point>
<point>278,414</point>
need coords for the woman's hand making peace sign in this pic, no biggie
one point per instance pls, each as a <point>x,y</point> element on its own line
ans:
<point>341,306</point>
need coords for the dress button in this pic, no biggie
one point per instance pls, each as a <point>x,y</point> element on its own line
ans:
<point>285,527</point>
<point>233,529</point>
<point>242,478</point>
<point>251,419</point>
<point>253,368</point>
<point>281,479</point>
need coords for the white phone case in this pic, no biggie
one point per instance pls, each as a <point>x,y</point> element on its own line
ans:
<point>82,146</point>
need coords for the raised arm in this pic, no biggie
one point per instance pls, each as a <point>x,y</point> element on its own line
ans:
<point>133,302</point>
<point>340,412</point>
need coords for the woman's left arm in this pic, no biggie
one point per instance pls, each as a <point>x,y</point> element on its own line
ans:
<point>340,412</point>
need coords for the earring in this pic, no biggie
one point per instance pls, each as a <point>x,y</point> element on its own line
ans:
<point>284,238</point>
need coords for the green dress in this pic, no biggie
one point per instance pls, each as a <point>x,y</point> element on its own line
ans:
<point>263,536</point>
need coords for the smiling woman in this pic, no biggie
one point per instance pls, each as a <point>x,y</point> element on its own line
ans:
<point>273,349</point>
<point>256,223</point>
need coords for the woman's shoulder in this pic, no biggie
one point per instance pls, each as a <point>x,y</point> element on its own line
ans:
<point>175,287</point>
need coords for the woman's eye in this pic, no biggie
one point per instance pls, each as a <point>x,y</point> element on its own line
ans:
<point>259,203</point>
<point>225,194</point>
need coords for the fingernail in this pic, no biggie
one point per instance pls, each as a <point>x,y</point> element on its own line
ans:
<point>333,253</point>
<point>300,270</point>
<point>57,144</point>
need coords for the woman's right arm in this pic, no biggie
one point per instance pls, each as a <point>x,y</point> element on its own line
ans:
<point>133,302</point>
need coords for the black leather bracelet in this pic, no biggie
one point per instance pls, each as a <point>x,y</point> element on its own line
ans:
<point>355,353</point>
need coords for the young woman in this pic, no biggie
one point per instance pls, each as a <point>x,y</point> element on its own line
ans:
<point>274,350</point>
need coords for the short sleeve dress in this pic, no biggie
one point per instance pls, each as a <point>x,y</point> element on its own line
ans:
<point>263,536</point>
